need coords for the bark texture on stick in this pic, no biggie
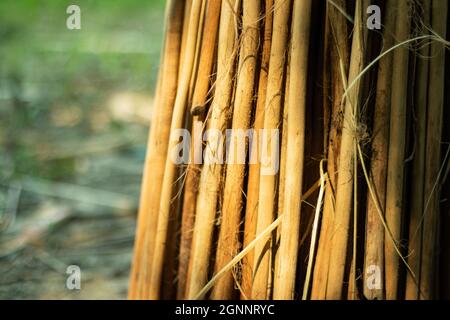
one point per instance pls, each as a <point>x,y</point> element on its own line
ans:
<point>171,167</point>
<point>251,210</point>
<point>211,175</point>
<point>374,254</point>
<point>336,54</point>
<point>229,243</point>
<point>418,166</point>
<point>429,266</point>
<point>284,284</point>
<point>397,142</point>
<point>207,55</point>
<point>272,116</point>
<point>344,188</point>
<point>156,153</point>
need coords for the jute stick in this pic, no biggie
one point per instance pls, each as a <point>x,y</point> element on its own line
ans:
<point>374,246</point>
<point>156,152</point>
<point>251,210</point>
<point>336,54</point>
<point>344,188</point>
<point>417,185</point>
<point>186,18</point>
<point>210,178</point>
<point>397,141</point>
<point>207,56</point>
<point>272,116</point>
<point>288,250</point>
<point>245,251</point>
<point>188,214</point>
<point>429,266</point>
<point>228,243</point>
<point>171,167</point>
<point>281,175</point>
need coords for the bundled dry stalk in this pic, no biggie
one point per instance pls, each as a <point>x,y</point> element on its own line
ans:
<point>284,285</point>
<point>170,167</point>
<point>228,221</point>
<point>433,153</point>
<point>344,187</point>
<point>262,266</point>
<point>251,210</point>
<point>336,58</point>
<point>374,255</point>
<point>211,175</point>
<point>228,242</point>
<point>417,201</point>
<point>156,154</point>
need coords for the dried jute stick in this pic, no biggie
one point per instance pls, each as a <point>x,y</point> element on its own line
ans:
<point>251,209</point>
<point>188,214</point>
<point>171,167</point>
<point>210,178</point>
<point>417,185</point>
<point>228,243</point>
<point>186,18</point>
<point>344,188</point>
<point>207,56</point>
<point>336,55</point>
<point>397,144</point>
<point>272,116</point>
<point>429,266</point>
<point>374,246</point>
<point>284,283</point>
<point>260,237</point>
<point>191,173</point>
<point>157,151</point>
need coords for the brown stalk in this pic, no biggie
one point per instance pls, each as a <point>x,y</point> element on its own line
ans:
<point>290,227</point>
<point>272,117</point>
<point>397,141</point>
<point>228,243</point>
<point>374,246</point>
<point>251,210</point>
<point>207,57</point>
<point>344,188</point>
<point>429,266</point>
<point>417,195</point>
<point>211,175</point>
<point>170,167</point>
<point>156,152</point>
<point>336,54</point>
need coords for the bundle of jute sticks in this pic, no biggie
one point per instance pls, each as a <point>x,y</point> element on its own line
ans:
<point>340,190</point>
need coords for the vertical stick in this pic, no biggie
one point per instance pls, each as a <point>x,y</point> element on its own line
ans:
<point>228,244</point>
<point>374,247</point>
<point>171,167</point>
<point>188,214</point>
<point>272,116</point>
<point>156,152</point>
<point>288,250</point>
<point>251,210</point>
<point>397,141</point>
<point>211,174</point>
<point>344,192</point>
<point>336,54</point>
<point>417,185</point>
<point>186,18</point>
<point>433,152</point>
<point>207,56</point>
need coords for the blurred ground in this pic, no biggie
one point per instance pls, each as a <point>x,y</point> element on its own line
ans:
<point>74,113</point>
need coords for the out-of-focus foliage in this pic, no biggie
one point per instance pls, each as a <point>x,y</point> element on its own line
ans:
<point>74,114</point>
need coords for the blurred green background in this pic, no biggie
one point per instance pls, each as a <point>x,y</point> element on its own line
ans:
<point>75,107</point>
